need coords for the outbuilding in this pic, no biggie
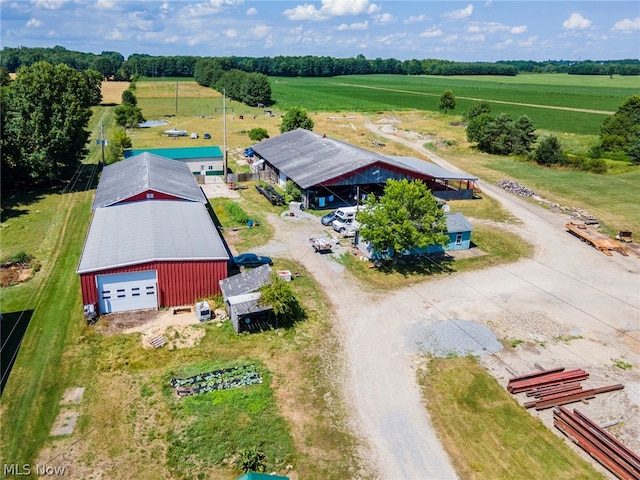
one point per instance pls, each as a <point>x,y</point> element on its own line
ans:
<point>202,161</point>
<point>152,241</point>
<point>332,173</point>
<point>242,298</point>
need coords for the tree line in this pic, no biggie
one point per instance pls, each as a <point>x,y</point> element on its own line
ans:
<point>112,65</point>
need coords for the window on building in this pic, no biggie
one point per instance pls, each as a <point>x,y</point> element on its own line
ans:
<point>149,195</point>
<point>458,239</point>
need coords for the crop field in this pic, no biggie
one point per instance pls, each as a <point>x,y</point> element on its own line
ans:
<point>553,102</point>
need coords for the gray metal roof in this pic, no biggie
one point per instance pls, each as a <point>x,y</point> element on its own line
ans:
<point>146,171</point>
<point>457,223</point>
<point>308,158</point>
<point>427,168</point>
<point>245,282</point>
<point>140,232</point>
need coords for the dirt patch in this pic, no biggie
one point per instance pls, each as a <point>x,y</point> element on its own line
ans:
<point>14,274</point>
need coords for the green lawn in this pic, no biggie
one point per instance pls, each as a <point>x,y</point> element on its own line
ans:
<point>487,433</point>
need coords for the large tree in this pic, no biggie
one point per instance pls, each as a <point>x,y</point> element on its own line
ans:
<point>447,101</point>
<point>45,116</point>
<point>407,216</point>
<point>622,128</point>
<point>296,117</point>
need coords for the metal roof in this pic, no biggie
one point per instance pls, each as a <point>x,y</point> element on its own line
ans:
<point>457,223</point>
<point>146,171</point>
<point>309,159</point>
<point>248,281</point>
<point>427,168</point>
<point>186,153</point>
<point>150,230</point>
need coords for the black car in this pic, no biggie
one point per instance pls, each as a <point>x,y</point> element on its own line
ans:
<point>207,136</point>
<point>251,260</point>
<point>328,218</point>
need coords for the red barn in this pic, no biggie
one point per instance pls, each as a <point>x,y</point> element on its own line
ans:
<point>157,250</point>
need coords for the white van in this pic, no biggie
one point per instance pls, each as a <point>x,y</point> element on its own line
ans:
<point>344,216</point>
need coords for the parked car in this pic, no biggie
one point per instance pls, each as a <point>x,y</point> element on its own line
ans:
<point>251,260</point>
<point>328,218</point>
<point>194,135</point>
<point>207,136</point>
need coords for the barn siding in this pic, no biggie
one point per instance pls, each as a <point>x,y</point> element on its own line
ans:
<point>179,283</point>
<point>143,196</point>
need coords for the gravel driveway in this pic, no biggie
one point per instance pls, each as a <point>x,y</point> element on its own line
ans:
<point>568,289</point>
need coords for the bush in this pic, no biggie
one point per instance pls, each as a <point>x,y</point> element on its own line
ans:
<point>251,460</point>
<point>292,190</point>
<point>257,134</point>
<point>236,213</point>
<point>19,258</point>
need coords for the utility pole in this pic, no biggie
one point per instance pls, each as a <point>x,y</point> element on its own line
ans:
<point>102,140</point>
<point>224,134</point>
<point>176,97</point>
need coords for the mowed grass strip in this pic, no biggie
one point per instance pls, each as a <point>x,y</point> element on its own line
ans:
<point>487,434</point>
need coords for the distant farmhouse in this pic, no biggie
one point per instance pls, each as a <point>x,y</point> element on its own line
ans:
<point>332,173</point>
<point>201,161</point>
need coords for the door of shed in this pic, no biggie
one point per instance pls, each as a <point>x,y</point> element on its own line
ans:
<point>122,292</point>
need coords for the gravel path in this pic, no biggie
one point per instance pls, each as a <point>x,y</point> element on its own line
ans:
<point>568,288</point>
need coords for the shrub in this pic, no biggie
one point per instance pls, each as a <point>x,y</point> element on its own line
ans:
<point>251,460</point>
<point>236,213</point>
<point>292,190</point>
<point>257,134</point>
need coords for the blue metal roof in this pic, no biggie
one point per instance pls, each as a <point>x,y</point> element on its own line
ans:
<point>185,154</point>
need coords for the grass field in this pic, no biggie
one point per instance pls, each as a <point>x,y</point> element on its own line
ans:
<point>531,95</point>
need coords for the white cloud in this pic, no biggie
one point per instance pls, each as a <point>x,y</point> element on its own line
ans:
<point>331,8</point>
<point>384,19</point>
<point>529,42</point>
<point>517,30</point>
<point>353,26</point>
<point>477,38</point>
<point>261,31</point>
<point>230,33</point>
<point>252,11</point>
<point>627,25</point>
<point>460,14</point>
<point>34,23</point>
<point>490,27</point>
<point>219,4</point>
<point>415,19</point>
<point>115,34</point>
<point>434,32</point>
<point>576,22</point>
<point>49,4</point>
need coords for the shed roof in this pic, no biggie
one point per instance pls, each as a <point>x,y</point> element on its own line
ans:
<point>310,159</point>
<point>142,172</point>
<point>152,230</point>
<point>457,223</point>
<point>427,168</point>
<point>245,282</point>
<point>186,153</point>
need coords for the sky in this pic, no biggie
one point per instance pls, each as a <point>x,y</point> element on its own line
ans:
<point>420,29</point>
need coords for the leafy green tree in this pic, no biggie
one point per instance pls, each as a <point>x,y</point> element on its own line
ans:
<point>129,98</point>
<point>128,116</point>
<point>501,135</point>
<point>296,117</point>
<point>524,135</point>
<point>477,125</point>
<point>293,191</point>
<point>257,134</point>
<point>549,152</point>
<point>633,147</point>
<point>257,89</point>
<point>94,81</point>
<point>406,217</point>
<point>279,295</point>
<point>617,131</point>
<point>117,144</point>
<point>447,101</point>
<point>5,78</point>
<point>45,116</point>
<point>476,110</point>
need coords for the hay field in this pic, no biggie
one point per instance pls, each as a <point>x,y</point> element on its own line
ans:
<point>112,92</point>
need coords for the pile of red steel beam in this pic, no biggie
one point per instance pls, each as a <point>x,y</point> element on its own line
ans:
<point>598,443</point>
<point>554,387</point>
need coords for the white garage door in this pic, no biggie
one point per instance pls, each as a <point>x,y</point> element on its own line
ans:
<point>128,291</point>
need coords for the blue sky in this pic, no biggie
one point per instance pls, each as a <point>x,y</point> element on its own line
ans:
<point>450,30</point>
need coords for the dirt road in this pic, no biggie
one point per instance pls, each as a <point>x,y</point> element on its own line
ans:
<point>567,290</point>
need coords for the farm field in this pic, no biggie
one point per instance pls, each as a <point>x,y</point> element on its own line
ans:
<point>545,99</point>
